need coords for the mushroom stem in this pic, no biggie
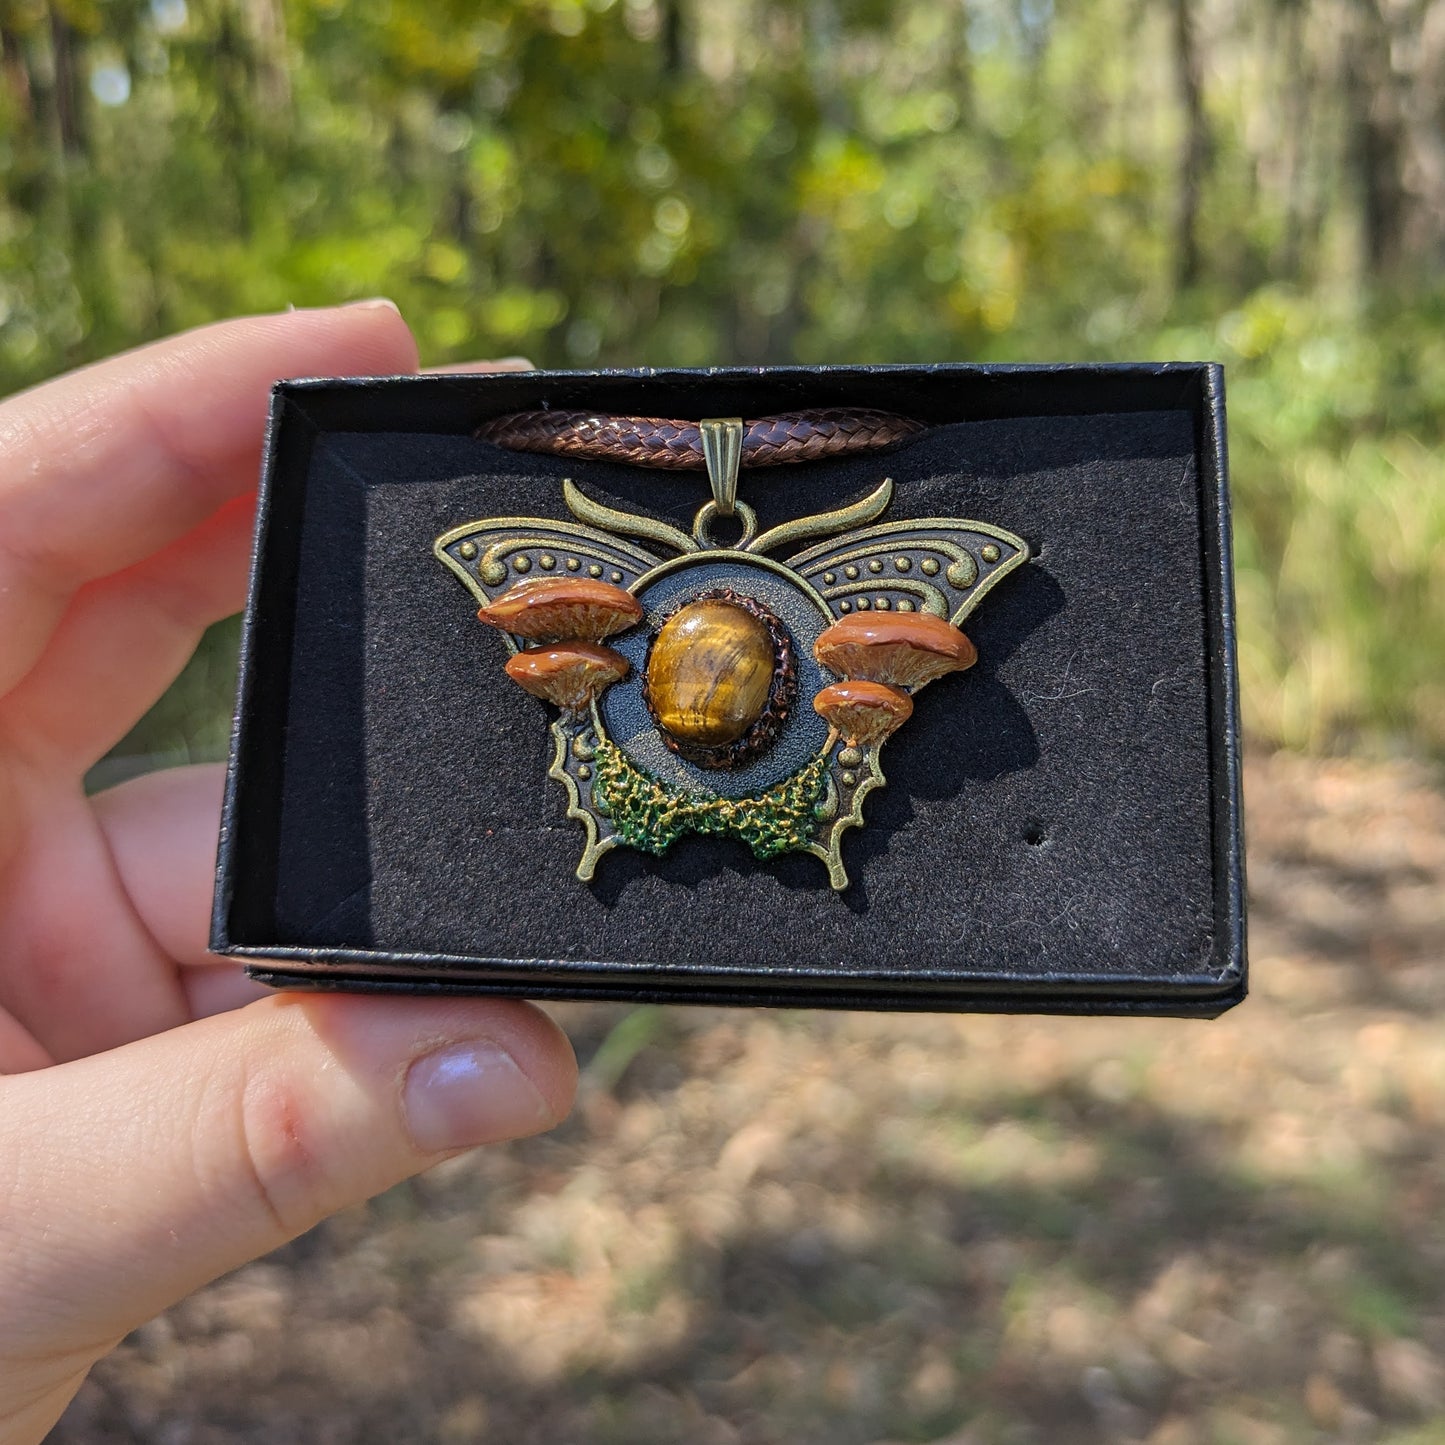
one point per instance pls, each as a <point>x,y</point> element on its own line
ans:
<point>569,674</point>
<point>863,713</point>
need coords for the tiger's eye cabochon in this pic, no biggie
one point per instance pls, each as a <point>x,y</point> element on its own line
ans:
<point>710,672</point>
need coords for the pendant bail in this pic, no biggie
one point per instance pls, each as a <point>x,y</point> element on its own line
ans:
<point>722,449</point>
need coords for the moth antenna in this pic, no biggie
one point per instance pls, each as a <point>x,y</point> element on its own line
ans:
<point>627,524</point>
<point>825,523</point>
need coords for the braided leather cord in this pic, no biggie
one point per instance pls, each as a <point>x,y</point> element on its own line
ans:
<point>800,436</point>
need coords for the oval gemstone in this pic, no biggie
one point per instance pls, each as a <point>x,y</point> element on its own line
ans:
<point>709,673</point>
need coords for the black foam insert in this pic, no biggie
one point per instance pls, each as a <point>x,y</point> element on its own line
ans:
<point>1057,820</point>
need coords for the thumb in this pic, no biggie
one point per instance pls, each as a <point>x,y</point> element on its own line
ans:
<point>129,1178</point>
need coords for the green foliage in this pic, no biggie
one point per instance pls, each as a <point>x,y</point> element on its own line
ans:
<point>650,815</point>
<point>1338,447</point>
<point>659,182</point>
<point>1337,433</point>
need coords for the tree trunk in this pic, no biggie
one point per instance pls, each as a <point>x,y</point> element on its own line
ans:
<point>1195,150</point>
<point>1376,143</point>
<point>267,24</point>
<point>16,77</point>
<point>67,95</point>
<point>674,40</point>
<point>1294,142</point>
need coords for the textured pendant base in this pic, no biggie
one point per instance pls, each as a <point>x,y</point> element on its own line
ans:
<point>620,804</point>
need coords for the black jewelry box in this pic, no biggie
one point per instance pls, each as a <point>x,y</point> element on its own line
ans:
<point>1060,830</point>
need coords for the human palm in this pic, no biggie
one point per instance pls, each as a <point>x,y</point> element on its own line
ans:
<point>150,1137</point>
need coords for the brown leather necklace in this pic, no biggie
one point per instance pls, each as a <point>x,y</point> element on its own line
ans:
<point>770,441</point>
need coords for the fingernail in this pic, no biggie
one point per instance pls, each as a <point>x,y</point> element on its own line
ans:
<point>374,303</point>
<point>469,1094</point>
<point>515,363</point>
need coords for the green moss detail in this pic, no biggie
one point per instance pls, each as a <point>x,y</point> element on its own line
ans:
<point>650,815</point>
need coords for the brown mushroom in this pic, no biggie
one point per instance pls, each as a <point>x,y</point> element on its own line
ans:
<point>549,608</point>
<point>903,649</point>
<point>863,712</point>
<point>569,674</point>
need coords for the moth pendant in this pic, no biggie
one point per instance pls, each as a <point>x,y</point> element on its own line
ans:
<point>706,688</point>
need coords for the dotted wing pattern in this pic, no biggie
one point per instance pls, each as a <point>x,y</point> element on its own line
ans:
<point>491,556</point>
<point>940,565</point>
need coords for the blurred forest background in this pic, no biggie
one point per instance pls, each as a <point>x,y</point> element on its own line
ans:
<point>669,182</point>
<point>840,1229</point>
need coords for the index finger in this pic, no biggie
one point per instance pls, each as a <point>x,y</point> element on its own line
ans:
<point>106,465</point>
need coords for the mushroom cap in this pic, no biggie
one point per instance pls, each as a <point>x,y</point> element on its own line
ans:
<point>569,674</point>
<point>903,649</point>
<point>563,607</point>
<point>863,712</point>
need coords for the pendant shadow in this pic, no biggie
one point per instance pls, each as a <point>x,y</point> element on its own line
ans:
<point>966,729</point>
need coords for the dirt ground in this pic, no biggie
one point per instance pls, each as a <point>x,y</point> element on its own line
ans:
<point>849,1229</point>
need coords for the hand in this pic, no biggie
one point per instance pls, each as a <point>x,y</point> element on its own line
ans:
<point>154,1133</point>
